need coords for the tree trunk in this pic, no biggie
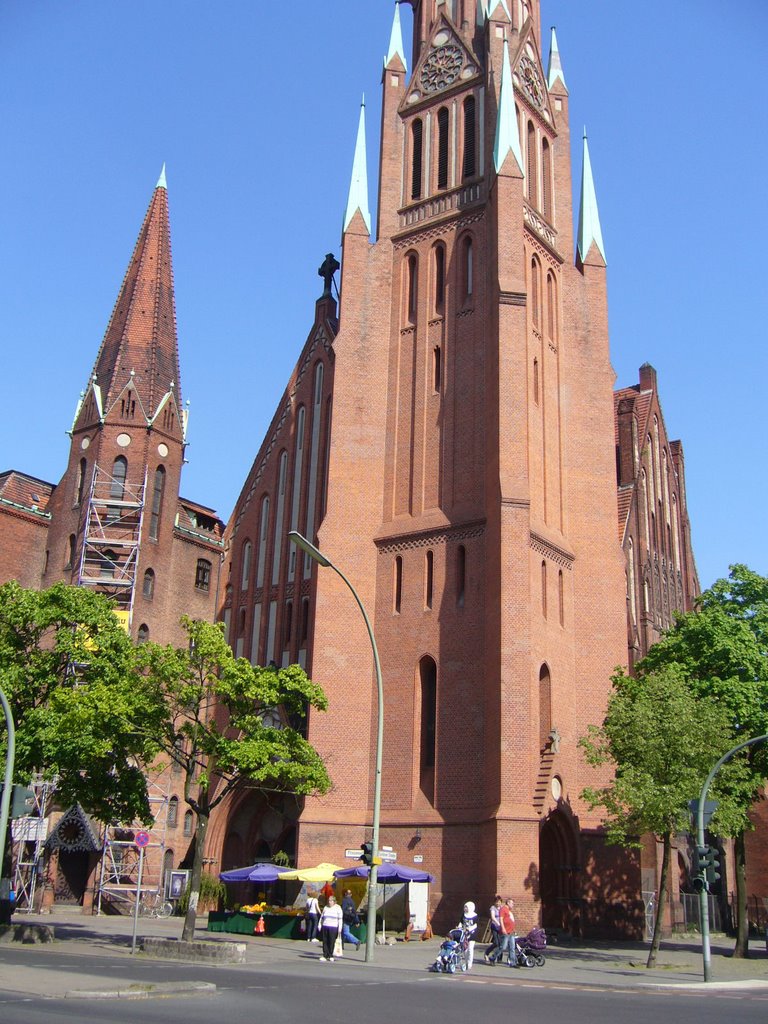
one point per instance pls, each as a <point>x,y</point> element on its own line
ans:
<point>188,932</point>
<point>741,950</point>
<point>660,901</point>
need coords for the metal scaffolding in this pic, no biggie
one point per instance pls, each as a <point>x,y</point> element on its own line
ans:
<point>110,553</point>
<point>118,878</point>
<point>29,834</point>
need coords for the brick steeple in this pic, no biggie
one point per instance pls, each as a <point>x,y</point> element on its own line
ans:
<point>138,361</point>
<point>113,513</point>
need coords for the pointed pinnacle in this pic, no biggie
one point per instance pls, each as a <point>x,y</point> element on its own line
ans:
<point>589,218</point>
<point>161,182</point>
<point>358,186</point>
<point>507,132</point>
<point>396,48</point>
<point>555,67</point>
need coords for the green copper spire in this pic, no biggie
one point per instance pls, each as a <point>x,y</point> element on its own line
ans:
<point>507,133</point>
<point>358,186</point>
<point>396,47</point>
<point>589,218</point>
<point>161,182</point>
<point>555,68</point>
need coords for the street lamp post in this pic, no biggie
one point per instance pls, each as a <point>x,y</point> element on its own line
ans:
<point>704,891</point>
<point>322,560</point>
<point>10,756</point>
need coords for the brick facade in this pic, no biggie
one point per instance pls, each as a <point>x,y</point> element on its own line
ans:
<point>467,487</point>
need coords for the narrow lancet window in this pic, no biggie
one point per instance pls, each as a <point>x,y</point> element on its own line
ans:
<point>469,163</point>
<point>417,139</point>
<point>442,148</point>
<point>439,278</point>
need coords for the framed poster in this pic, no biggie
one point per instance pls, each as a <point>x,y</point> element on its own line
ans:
<point>177,883</point>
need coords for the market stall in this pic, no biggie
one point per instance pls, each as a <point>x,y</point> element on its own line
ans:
<point>390,874</point>
<point>263,917</point>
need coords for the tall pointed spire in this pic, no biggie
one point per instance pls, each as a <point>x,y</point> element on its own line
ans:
<point>507,132</point>
<point>161,182</point>
<point>555,68</point>
<point>482,12</point>
<point>396,47</point>
<point>358,186</point>
<point>140,348</point>
<point>589,218</point>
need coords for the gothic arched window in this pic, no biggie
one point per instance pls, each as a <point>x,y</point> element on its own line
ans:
<point>531,176</point>
<point>439,268</point>
<point>157,503</point>
<point>546,180</point>
<point>417,140</point>
<point>442,148</point>
<point>469,162</point>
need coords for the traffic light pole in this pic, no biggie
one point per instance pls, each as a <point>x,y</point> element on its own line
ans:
<point>704,891</point>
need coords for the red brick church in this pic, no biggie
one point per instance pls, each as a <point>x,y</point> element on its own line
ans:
<point>448,439</point>
<point>451,440</point>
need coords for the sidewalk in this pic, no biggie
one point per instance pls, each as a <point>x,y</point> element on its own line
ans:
<point>594,965</point>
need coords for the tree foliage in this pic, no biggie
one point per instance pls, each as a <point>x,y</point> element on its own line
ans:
<point>660,738</point>
<point>80,712</point>
<point>217,727</point>
<point>722,650</point>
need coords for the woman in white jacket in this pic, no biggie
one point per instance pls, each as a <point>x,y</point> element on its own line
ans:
<point>331,921</point>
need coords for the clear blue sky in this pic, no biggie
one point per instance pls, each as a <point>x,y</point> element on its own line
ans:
<point>254,106</point>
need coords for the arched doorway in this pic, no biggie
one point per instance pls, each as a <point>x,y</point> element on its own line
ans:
<point>558,874</point>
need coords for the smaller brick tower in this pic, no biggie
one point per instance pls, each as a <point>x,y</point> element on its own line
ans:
<point>115,515</point>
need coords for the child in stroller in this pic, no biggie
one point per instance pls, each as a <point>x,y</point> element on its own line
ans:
<point>529,951</point>
<point>457,952</point>
<point>453,953</point>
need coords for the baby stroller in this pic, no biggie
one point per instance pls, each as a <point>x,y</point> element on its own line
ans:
<point>453,953</point>
<point>534,945</point>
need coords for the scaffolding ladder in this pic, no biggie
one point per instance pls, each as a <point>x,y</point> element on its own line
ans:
<point>109,558</point>
<point>29,834</point>
<point>119,871</point>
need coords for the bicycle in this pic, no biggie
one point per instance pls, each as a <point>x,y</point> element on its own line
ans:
<point>153,904</point>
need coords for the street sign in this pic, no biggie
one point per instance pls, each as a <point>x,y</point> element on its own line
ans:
<point>388,855</point>
<point>353,854</point>
<point>141,839</point>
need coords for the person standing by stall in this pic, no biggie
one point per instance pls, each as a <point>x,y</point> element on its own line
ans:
<point>331,921</point>
<point>312,911</point>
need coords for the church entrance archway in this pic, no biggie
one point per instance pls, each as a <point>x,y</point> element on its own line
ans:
<point>558,872</point>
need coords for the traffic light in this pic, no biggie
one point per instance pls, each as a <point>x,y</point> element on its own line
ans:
<point>700,884</point>
<point>367,854</point>
<point>22,801</point>
<point>713,865</point>
<point>701,860</point>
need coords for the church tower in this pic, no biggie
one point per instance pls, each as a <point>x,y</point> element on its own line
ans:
<point>471,478</point>
<point>115,514</point>
<point>465,484</point>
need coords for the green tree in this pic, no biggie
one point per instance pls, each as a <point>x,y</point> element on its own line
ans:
<point>660,739</point>
<point>213,728</point>
<point>68,671</point>
<point>722,648</point>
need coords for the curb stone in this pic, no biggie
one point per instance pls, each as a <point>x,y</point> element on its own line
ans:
<point>138,991</point>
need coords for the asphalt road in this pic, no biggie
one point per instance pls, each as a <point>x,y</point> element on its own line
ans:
<point>349,993</point>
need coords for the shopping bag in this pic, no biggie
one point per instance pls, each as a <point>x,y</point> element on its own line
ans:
<point>338,949</point>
